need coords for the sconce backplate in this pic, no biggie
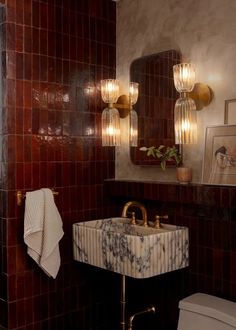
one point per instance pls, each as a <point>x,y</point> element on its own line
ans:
<point>122,105</point>
<point>202,95</point>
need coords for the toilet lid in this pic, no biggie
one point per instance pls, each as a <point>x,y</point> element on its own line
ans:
<point>211,306</point>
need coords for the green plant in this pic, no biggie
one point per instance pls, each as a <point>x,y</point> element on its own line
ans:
<point>164,154</point>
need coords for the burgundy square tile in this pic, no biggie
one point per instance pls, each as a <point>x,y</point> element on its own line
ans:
<point>29,313</point>
<point>44,15</point>
<point>51,16</point>
<point>19,12</point>
<point>58,19</point>
<point>43,68</point>
<point>11,64</point>
<point>19,65</point>
<point>232,197</point>
<point>21,258</point>
<point>19,38</point>
<point>28,283</point>
<point>11,264</point>
<point>12,287</point>
<point>4,256</point>
<point>36,175</point>
<point>20,312</point>
<point>51,43</point>
<point>19,148</point>
<point>12,310</point>
<point>35,14</point>
<point>27,39</point>
<point>73,49</point>
<point>51,95</point>
<point>233,265</point>
<point>35,68</point>
<point>11,120</point>
<point>11,10</point>
<point>11,148</point>
<point>73,23</point>
<point>66,20</point>
<point>19,175</point>
<point>20,285</point>
<point>58,71</point>
<point>19,120</point>
<point>27,12</point>
<point>27,94</point>
<point>19,94</point>
<point>43,35</point>
<point>35,40</point>
<point>10,41</point>
<point>27,119</point>
<point>66,71</point>
<point>35,121</point>
<point>28,176</point>
<point>27,148</point>
<point>43,174</point>
<point>27,68</point>
<point>59,45</point>
<point>3,288</point>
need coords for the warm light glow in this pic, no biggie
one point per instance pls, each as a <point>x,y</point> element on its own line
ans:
<point>133,92</point>
<point>185,117</point>
<point>109,90</point>
<point>184,77</point>
<point>133,128</point>
<point>110,127</point>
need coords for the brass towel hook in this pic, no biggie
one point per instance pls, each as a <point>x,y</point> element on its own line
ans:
<point>20,196</point>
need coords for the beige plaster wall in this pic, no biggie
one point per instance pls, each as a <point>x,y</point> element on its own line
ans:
<point>205,33</point>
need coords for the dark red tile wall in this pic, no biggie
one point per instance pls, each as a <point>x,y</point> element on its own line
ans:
<point>210,214</point>
<point>53,55</point>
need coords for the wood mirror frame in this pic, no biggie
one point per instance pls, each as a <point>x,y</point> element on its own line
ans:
<point>155,106</point>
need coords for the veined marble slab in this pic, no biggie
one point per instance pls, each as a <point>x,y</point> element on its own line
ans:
<point>131,250</point>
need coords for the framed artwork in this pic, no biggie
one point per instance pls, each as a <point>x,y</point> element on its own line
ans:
<point>230,112</point>
<point>219,165</point>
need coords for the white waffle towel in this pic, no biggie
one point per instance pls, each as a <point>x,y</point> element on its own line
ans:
<point>43,230</point>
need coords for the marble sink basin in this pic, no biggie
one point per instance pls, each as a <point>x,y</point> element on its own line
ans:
<point>130,250</point>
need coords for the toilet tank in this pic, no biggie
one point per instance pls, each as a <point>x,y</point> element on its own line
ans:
<point>204,312</point>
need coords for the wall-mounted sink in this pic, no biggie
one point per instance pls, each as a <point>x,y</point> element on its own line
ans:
<point>131,250</point>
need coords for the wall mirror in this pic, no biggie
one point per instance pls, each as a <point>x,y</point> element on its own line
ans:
<point>155,106</point>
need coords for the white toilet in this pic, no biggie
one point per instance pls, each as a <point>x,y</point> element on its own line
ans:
<point>204,312</point>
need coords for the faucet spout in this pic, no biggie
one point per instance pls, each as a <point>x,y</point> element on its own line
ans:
<point>139,206</point>
<point>147,310</point>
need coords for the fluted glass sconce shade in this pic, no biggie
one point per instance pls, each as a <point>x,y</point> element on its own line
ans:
<point>109,90</point>
<point>133,129</point>
<point>110,127</point>
<point>184,77</point>
<point>133,92</point>
<point>185,118</point>
<point>133,133</point>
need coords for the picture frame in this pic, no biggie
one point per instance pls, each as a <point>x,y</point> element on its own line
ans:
<point>219,162</point>
<point>230,112</point>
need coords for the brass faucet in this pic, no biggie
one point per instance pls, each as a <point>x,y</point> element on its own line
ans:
<point>138,205</point>
<point>157,223</point>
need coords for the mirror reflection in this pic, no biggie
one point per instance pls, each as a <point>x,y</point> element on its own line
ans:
<point>155,106</point>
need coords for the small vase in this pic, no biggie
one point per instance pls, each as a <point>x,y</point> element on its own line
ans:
<point>184,175</point>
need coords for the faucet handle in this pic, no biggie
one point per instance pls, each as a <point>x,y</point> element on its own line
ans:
<point>133,220</point>
<point>157,223</point>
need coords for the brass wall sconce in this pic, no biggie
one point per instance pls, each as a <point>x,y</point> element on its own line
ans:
<point>118,107</point>
<point>193,97</point>
<point>110,115</point>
